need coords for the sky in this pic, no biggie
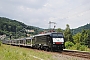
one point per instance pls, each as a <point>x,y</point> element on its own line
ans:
<point>38,13</point>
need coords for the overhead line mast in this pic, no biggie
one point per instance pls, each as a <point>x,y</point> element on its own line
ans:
<point>50,23</point>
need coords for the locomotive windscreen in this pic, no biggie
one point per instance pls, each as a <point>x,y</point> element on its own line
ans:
<point>58,38</point>
<point>57,35</point>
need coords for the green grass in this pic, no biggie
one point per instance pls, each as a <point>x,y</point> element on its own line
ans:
<point>0,42</point>
<point>8,52</point>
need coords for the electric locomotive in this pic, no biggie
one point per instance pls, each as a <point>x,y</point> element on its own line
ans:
<point>49,41</point>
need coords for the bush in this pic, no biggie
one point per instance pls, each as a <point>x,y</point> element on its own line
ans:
<point>77,45</point>
<point>83,48</point>
<point>68,44</point>
<point>80,47</point>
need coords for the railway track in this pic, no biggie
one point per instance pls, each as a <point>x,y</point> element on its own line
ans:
<point>76,53</point>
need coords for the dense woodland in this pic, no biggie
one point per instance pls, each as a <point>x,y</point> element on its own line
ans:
<point>16,29</point>
<point>78,38</point>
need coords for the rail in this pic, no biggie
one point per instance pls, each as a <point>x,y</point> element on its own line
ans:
<point>83,54</point>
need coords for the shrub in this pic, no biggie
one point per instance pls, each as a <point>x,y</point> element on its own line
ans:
<point>80,47</point>
<point>77,45</point>
<point>68,44</point>
<point>83,48</point>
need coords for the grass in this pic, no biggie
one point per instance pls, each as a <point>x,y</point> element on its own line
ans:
<point>0,42</point>
<point>8,52</point>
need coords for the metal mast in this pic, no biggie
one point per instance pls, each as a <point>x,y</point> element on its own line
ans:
<point>50,23</point>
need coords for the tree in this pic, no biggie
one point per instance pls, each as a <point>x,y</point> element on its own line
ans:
<point>59,30</point>
<point>77,38</point>
<point>81,38</point>
<point>67,34</point>
<point>88,40</point>
<point>84,37</point>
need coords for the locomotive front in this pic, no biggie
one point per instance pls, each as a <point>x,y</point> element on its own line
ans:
<point>57,41</point>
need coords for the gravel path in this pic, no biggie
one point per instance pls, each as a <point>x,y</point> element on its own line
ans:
<point>66,57</point>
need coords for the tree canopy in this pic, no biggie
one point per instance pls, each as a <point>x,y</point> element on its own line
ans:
<point>67,34</point>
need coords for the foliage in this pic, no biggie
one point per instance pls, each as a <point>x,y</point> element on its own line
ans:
<point>83,48</point>
<point>67,34</point>
<point>79,29</point>
<point>80,47</point>
<point>77,38</point>
<point>68,44</point>
<point>15,28</point>
<point>77,46</point>
<point>82,38</point>
<point>59,30</point>
<point>88,40</point>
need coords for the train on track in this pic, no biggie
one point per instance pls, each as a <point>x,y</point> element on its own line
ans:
<point>52,41</point>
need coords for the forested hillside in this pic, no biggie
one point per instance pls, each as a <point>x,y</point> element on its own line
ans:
<point>15,28</point>
<point>79,29</point>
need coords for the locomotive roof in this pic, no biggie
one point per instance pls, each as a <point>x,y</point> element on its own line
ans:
<point>45,34</point>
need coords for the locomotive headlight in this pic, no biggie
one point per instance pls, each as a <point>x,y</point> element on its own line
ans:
<point>62,42</point>
<point>53,42</point>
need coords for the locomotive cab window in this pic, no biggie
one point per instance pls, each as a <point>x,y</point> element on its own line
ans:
<point>57,35</point>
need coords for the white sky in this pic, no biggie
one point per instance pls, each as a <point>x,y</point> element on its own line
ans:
<point>38,13</point>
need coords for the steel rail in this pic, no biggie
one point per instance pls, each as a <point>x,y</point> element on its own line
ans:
<point>83,54</point>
